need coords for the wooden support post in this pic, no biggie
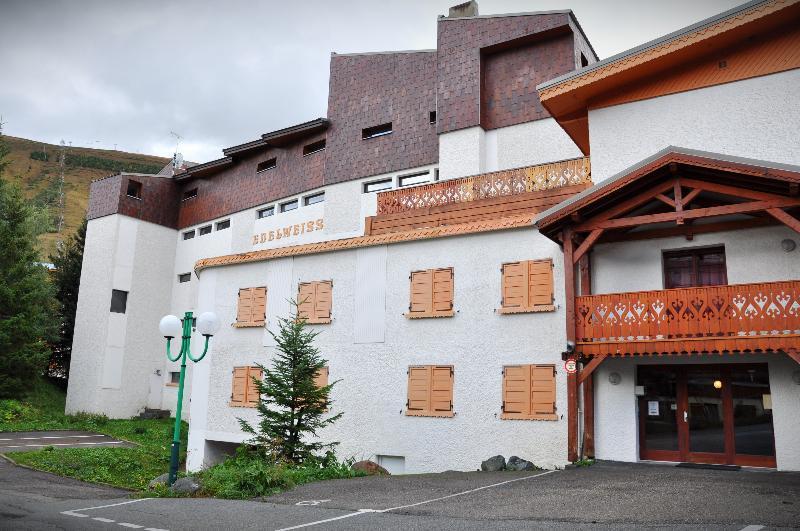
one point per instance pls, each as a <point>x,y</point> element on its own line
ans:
<point>794,354</point>
<point>786,219</point>
<point>678,201</point>
<point>585,267</point>
<point>572,379</point>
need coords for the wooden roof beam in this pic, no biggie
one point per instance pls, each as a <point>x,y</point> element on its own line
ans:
<point>785,218</point>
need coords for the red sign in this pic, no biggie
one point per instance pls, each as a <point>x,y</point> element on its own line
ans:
<point>571,366</point>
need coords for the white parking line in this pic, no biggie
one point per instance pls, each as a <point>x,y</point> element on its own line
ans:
<point>132,526</point>
<point>104,520</point>
<point>369,511</point>
<point>75,512</point>
<point>752,528</point>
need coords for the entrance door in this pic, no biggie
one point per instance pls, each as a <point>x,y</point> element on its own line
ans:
<point>719,413</point>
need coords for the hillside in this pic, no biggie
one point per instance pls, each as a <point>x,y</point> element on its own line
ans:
<point>35,166</point>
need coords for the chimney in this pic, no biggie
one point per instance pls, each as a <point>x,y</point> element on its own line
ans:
<point>467,9</point>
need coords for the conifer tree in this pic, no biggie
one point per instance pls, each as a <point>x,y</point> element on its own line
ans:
<point>291,408</point>
<point>26,296</point>
<point>68,261</point>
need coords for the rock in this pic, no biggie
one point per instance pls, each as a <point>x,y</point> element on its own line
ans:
<point>160,480</point>
<point>186,485</point>
<point>517,464</point>
<point>371,468</point>
<point>494,464</point>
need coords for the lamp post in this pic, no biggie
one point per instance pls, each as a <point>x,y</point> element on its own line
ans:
<point>170,327</point>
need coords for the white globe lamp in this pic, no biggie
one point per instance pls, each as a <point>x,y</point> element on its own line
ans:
<point>170,326</point>
<point>208,323</point>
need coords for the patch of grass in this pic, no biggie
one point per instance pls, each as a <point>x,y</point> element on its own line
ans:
<point>130,468</point>
<point>248,475</point>
<point>584,462</point>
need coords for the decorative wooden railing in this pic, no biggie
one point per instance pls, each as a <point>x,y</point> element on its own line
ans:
<point>487,185</point>
<point>737,311</point>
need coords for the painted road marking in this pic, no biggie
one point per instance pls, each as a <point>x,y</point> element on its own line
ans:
<point>61,444</point>
<point>132,526</point>
<point>53,437</point>
<point>752,528</point>
<point>77,513</point>
<point>104,520</point>
<point>370,511</point>
<point>310,502</point>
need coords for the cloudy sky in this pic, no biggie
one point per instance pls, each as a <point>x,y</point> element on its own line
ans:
<point>126,73</point>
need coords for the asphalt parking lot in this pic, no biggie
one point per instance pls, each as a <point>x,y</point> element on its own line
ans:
<point>604,496</point>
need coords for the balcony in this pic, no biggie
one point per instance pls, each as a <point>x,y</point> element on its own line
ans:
<point>489,196</point>
<point>488,185</point>
<point>762,317</point>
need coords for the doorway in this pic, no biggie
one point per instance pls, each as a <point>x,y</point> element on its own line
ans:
<point>711,413</point>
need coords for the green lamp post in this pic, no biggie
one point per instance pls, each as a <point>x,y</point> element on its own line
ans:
<point>171,326</point>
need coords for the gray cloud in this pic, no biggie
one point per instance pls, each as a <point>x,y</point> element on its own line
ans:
<point>106,72</point>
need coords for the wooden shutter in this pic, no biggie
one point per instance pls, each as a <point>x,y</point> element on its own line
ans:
<point>321,378</point>
<point>314,301</point>
<point>431,293</point>
<point>430,391</point>
<point>529,392</point>
<point>419,390</point>
<point>527,286</point>
<point>244,391</point>
<point>543,392</point>
<point>540,275</point>
<point>252,306</point>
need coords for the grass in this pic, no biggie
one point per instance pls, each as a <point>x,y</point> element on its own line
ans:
<point>130,468</point>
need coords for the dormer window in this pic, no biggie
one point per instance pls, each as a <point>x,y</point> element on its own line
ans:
<point>267,165</point>
<point>376,131</point>
<point>314,147</point>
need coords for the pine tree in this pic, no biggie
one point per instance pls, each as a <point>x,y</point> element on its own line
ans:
<point>291,407</point>
<point>26,294</point>
<point>68,261</point>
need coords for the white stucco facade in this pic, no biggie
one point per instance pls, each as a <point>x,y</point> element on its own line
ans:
<point>753,118</point>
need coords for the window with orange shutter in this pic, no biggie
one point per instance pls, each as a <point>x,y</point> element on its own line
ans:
<point>244,391</point>
<point>314,301</point>
<point>430,391</point>
<point>251,308</point>
<point>529,392</point>
<point>431,293</point>
<point>527,287</point>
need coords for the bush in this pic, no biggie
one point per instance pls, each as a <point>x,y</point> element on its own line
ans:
<point>14,410</point>
<point>248,475</point>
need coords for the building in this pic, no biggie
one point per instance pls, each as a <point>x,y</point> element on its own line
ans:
<point>405,220</point>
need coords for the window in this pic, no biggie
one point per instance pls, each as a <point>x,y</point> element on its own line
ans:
<point>584,60</point>
<point>377,186</point>
<point>134,189</point>
<point>431,293</point>
<point>313,199</point>
<point>314,147</point>
<point>436,174</point>
<point>527,287</point>
<point>430,391</point>
<point>376,131</point>
<point>184,277</point>
<point>265,212</point>
<point>189,194</point>
<point>244,390</point>
<point>266,165</point>
<point>174,378</point>
<point>119,301</point>
<point>432,117</point>
<point>529,392</point>
<point>413,178</point>
<point>224,224</point>
<point>188,235</point>
<point>251,309</point>
<point>704,266</point>
<point>314,301</point>
<point>289,205</point>
<point>205,230</point>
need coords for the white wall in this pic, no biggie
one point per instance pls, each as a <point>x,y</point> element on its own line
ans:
<point>115,355</point>
<point>473,151</point>
<point>754,118</point>
<point>637,265</point>
<point>372,394</point>
<point>616,416</point>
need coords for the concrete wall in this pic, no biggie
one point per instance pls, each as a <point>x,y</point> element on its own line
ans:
<point>115,355</point>
<point>372,393</point>
<point>752,118</point>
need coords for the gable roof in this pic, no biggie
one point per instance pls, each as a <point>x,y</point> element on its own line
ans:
<point>568,97</point>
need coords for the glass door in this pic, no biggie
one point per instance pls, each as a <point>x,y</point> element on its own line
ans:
<point>704,413</point>
<point>658,413</point>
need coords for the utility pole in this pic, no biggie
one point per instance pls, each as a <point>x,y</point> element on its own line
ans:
<point>1,124</point>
